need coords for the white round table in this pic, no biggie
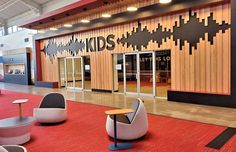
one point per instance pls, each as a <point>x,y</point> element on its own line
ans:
<point>20,101</point>
<point>15,130</point>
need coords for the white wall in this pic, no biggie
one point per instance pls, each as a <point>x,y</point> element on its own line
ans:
<point>19,19</point>
<point>47,7</point>
<point>16,40</point>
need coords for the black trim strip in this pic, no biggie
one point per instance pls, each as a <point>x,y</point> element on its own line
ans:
<point>100,90</point>
<point>201,98</point>
<point>46,84</point>
<point>222,138</point>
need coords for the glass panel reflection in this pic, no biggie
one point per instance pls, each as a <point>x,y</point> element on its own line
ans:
<point>62,72</point>
<point>131,72</point>
<point>87,73</point>
<point>69,72</point>
<point>146,73</point>
<point>77,73</point>
<point>163,72</point>
<point>118,73</point>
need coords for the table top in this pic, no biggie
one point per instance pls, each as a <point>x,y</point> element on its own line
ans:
<point>118,111</point>
<point>20,101</point>
<point>16,122</point>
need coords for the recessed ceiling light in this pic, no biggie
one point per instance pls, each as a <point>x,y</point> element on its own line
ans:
<point>132,9</point>
<point>41,31</point>
<point>105,15</point>
<point>53,29</point>
<point>165,1</point>
<point>67,25</point>
<point>85,21</point>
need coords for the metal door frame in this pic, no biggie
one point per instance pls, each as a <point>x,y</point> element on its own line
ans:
<point>138,73</point>
<point>73,73</point>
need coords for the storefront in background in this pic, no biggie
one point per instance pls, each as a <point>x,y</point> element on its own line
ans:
<point>184,55</point>
<point>17,66</point>
<point>1,69</point>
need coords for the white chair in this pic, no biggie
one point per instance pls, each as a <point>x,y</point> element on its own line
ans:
<point>52,109</point>
<point>130,126</point>
<point>12,148</point>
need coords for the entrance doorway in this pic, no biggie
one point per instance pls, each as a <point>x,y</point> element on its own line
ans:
<point>74,76</point>
<point>138,73</point>
<point>142,73</point>
<point>75,72</point>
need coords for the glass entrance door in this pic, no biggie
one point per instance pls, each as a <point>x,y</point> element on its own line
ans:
<point>78,73</point>
<point>87,73</point>
<point>146,73</point>
<point>131,73</point>
<point>69,73</point>
<point>62,74</point>
<point>74,73</point>
<point>163,73</point>
<point>139,73</point>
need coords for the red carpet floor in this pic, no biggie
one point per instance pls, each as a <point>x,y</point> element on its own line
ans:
<point>84,131</point>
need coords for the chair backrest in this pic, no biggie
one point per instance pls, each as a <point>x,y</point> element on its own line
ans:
<point>2,149</point>
<point>135,107</point>
<point>14,148</point>
<point>53,100</point>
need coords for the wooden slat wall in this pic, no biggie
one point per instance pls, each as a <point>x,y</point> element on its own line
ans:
<point>206,70</point>
<point>49,69</point>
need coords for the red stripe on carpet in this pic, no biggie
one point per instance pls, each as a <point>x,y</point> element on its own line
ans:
<point>84,131</point>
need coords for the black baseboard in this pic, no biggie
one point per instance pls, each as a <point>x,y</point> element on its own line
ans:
<point>100,90</point>
<point>202,98</point>
<point>46,84</point>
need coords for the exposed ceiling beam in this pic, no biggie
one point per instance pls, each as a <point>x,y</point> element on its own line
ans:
<point>7,4</point>
<point>32,5</point>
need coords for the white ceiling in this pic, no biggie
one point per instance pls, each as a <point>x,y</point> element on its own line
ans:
<point>42,1</point>
<point>12,8</point>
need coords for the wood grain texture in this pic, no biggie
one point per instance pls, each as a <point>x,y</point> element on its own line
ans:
<point>118,111</point>
<point>207,70</point>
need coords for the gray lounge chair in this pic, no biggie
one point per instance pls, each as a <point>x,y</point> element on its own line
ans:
<point>52,109</point>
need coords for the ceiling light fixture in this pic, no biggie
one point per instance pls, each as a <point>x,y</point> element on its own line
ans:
<point>132,9</point>
<point>53,29</point>
<point>85,21</point>
<point>67,25</point>
<point>165,1</point>
<point>105,15</point>
<point>41,31</point>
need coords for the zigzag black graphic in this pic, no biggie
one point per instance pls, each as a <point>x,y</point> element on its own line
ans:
<point>73,47</point>
<point>192,32</point>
